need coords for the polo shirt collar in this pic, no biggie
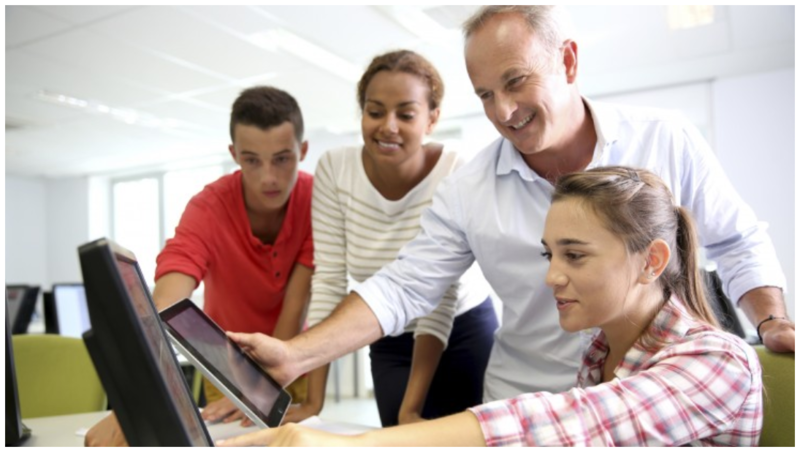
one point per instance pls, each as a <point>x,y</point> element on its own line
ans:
<point>288,220</point>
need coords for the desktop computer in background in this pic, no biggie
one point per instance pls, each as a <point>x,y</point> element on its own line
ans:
<point>16,432</point>
<point>21,302</point>
<point>65,310</point>
<point>132,354</point>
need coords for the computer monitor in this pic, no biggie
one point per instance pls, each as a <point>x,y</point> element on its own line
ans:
<point>21,302</point>
<point>16,432</point>
<point>49,310</point>
<point>65,310</point>
<point>132,355</point>
<point>722,306</point>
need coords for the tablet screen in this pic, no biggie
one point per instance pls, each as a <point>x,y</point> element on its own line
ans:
<point>208,344</point>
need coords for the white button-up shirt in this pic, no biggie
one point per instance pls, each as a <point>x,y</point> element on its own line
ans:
<point>492,210</point>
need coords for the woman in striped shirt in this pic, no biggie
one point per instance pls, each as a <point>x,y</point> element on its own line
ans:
<point>658,372</point>
<point>367,204</point>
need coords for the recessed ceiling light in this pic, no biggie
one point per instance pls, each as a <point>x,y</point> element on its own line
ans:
<point>689,16</point>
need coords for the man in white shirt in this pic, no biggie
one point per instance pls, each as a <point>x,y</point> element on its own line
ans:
<point>523,65</point>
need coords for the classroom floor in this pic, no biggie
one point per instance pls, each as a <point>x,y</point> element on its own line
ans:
<point>362,411</point>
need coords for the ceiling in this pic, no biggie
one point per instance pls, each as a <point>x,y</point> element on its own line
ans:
<point>113,89</point>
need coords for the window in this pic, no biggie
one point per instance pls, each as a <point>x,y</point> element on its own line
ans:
<point>179,187</point>
<point>146,209</point>
<point>134,220</point>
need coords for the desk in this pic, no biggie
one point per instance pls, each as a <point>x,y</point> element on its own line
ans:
<point>61,430</point>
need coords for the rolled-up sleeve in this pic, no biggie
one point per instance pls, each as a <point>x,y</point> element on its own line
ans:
<point>728,227</point>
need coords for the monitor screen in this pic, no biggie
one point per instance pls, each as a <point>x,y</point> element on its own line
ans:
<point>132,354</point>
<point>71,312</point>
<point>160,346</point>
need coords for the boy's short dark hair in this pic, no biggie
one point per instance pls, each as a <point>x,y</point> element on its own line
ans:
<point>266,107</point>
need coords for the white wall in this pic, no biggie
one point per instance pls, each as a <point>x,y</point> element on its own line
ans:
<point>26,230</point>
<point>46,220</point>
<point>754,119</point>
<point>68,219</point>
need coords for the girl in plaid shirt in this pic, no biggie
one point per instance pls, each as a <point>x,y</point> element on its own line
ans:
<point>658,372</point>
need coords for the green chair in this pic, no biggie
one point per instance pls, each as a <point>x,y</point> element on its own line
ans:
<point>778,377</point>
<point>197,385</point>
<point>55,376</point>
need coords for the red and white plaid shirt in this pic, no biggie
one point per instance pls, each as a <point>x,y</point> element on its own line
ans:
<point>702,389</point>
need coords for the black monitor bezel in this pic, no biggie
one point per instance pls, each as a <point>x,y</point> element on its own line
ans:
<point>49,311</point>
<point>16,432</point>
<point>130,373</point>
<point>26,308</point>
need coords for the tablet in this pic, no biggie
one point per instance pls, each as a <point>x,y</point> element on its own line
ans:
<point>220,360</point>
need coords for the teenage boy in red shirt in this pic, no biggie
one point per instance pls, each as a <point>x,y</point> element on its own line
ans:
<point>247,236</point>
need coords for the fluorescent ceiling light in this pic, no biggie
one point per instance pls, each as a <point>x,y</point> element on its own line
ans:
<point>689,16</point>
<point>125,115</point>
<point>413,19</point>
<point>280,39</point>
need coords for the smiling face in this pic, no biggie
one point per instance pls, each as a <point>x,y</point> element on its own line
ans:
<point>396,117</point>
<point>526,93</point>
<point>594,279</point>
<point>269,160</point>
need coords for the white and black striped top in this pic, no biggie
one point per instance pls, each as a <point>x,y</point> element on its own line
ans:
<point>357,231</point>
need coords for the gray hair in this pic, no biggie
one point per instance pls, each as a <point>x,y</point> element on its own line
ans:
<point>552,24</point>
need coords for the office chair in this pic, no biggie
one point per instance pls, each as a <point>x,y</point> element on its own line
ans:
<point>778,377</point>
<point>55,376</point>
<point>196,386</point>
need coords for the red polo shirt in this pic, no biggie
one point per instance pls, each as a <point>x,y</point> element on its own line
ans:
<point>245,280</point>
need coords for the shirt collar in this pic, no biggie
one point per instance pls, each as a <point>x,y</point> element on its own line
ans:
<point>510,160</point>
<point>670,324</point>
<point>286,227</point>
<point>606,123</point>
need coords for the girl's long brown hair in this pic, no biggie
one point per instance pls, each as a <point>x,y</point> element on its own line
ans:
<point>638,207</point>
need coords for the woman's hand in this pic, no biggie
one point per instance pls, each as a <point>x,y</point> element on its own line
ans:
<point>290,435</point>
<point>224,410</point>
<point>106,433</point>
<point>301,411</point>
